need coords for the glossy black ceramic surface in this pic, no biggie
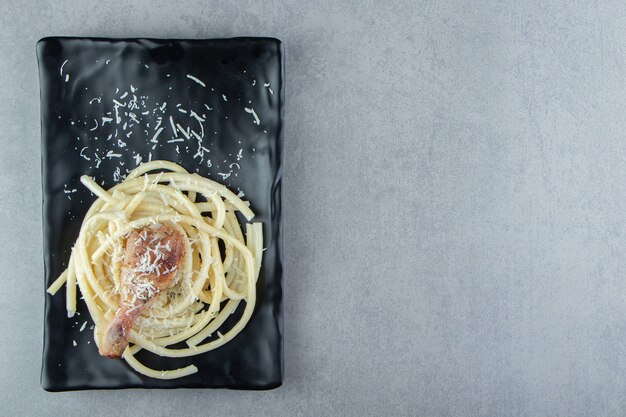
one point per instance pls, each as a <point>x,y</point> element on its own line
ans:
<point>213,106</point>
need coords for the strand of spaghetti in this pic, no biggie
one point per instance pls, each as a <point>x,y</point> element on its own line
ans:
<point>235,229</point>
<point>238,276</point>
<point>232,227</point>
<point>209,206</point>
<point>230,307</point>
<point>120,199</point>
<point>229,255</point>
<point>219,271</point>
<point>70,287</point>
<point>153,166</point>
<point>173,374</point>
<point>115,267</point>
<point>84,264</point>
<point>96,189</point>
<point>255,243</point>
<point>89,297</point>
<point>100,274</point>
<point>207,258</point>
<point>133,203</point>
<point>156,320</point>
<point>58,283</point>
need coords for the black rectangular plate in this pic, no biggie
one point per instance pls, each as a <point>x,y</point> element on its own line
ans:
<point>80,78</point>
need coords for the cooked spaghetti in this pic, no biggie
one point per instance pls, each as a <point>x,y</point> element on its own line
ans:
<point>161,259</point>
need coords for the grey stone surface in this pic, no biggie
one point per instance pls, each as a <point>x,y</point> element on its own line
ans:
<point>455,194</point>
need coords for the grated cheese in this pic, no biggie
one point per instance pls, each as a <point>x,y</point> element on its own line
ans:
<point>191,77</point>
<point>251,111</point>
<point>62,65</point>
<point>156,135</point>
<point>83,155</point>
<point>173,125</point>
<point>185,134</point>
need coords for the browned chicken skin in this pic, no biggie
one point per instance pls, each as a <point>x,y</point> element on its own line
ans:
<point>151,259</point>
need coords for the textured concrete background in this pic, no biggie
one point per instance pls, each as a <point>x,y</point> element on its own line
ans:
<point>455,193</point>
